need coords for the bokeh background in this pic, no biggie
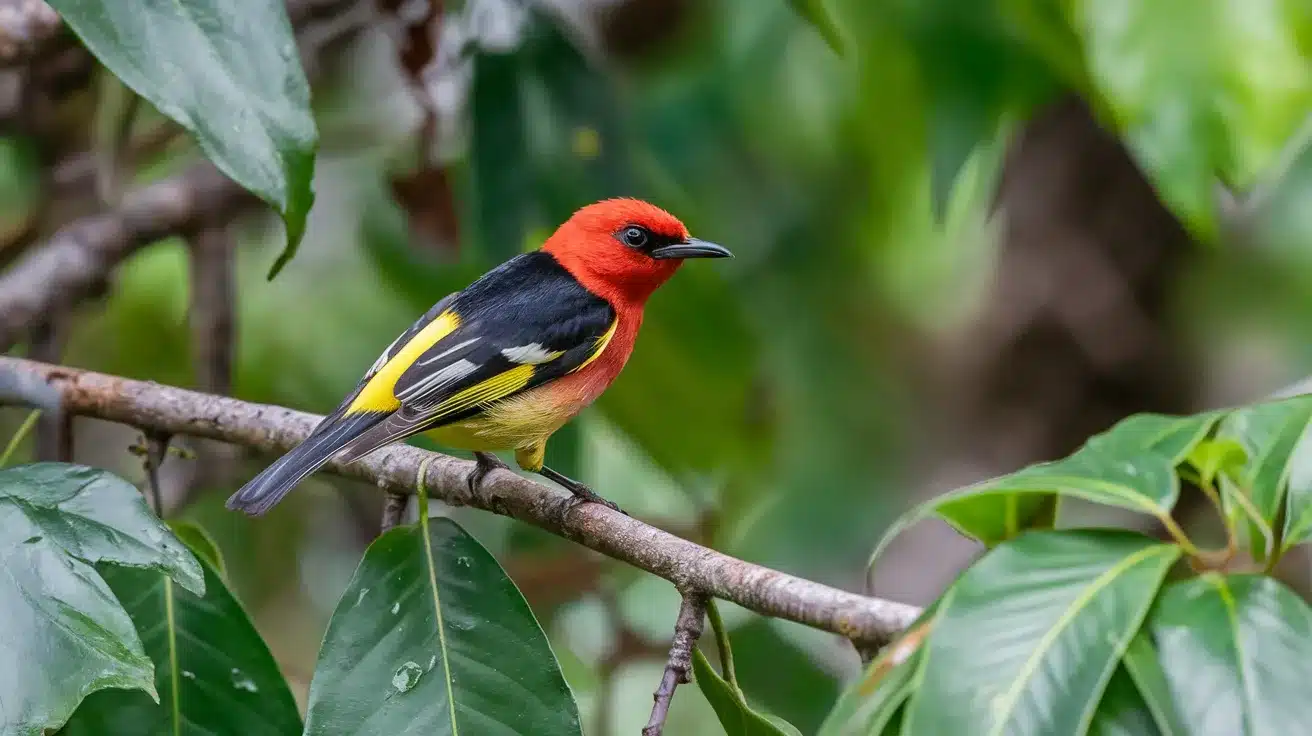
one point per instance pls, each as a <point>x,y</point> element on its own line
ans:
<point>982,233</point>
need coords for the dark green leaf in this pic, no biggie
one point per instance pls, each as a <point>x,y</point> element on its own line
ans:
<point>1270,435</point>
<point>230,74</point>
<point>1132,465</point>
<point>1144,666</point>
<point>61,619</point>
<point>199,542</point>
<point>1205,90</point>
<point>213,672</point>
<point>1237,654</point>
<point>431,637</point>
<point>1122,711</point>
<point>1033,631</point>
<point>737,718</point>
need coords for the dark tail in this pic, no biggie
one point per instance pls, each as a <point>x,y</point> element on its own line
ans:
<point>265,490</point>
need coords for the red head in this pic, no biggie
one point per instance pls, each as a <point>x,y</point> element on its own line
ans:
<point>624,249</point>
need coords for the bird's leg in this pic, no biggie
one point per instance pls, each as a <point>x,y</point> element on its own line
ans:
<point>487,462</point>
<point>580,491</point>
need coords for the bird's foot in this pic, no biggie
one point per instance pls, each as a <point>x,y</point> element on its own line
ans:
<point>581,492</point>
<point>487,462</point>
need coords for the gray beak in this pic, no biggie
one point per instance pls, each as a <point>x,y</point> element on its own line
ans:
<point>692,248</point>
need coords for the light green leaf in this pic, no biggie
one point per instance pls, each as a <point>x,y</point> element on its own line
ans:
<point>737,718</point>
<point>815,13</point>
<point>1237,654</point>
<point>62,621</point>
<point>1132,465</point>
<point>213,672</point>
<point>1271,435</point>
<point>1033,632</point>
<point>873,703</point>
<point>200,543</point>
<point>229,73</point>
<point>431,637</point>
<point>1206,91</point>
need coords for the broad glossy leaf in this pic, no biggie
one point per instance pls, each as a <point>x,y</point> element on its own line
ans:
<point>1202,88</point>
<point>213,672</point>
<point>1237,654</point>
<point>200,543</point>
<point>230,74</point>
<point>736,716</point>
<point>1271,435</point>
<point>431,637</point>
<point>1132,465</point>
<point>61,620</point>
<point>1033,631</point>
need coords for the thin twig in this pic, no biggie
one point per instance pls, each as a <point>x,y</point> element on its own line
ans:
<point>157,447</point>
<point>678,670</point>
<point>273,429</point>
<point>393,510</point>
<point>56,275</point>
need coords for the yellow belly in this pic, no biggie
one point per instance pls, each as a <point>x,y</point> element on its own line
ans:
<point>520,422</point>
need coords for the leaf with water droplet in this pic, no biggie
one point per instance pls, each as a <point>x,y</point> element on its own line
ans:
<point>407,676</point>
<point>432,583</point>
<point>205,651</point>
<point>62,529</point>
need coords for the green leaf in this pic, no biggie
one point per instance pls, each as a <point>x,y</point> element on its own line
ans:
<point>875,700</point>
<point>1123,711</point>
<point>431,637</point>
<point>1143,664</point>
<point>1033,631</point>
<point>1132,465</point>
<point>230,74</point>
<point>199,542</point>
<point>815,13</point>
<point>737,718</point>
<point>1237,654</point>
<point>213,672</point>
<point>61,620</point>
<point>1271,434</point>
<point>1203,89</point>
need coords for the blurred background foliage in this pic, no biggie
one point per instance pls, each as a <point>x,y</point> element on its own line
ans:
<point>981,233</point>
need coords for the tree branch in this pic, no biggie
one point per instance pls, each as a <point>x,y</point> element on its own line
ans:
<point>687,630</point>
<point>272,429</point>
<point>56,275</point>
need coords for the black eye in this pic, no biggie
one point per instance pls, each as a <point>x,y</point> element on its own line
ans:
<point>634,236</point>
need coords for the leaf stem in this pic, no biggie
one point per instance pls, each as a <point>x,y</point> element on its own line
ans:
<point>722,644</point>
<point>1178,535</point>
<point>23,430</point>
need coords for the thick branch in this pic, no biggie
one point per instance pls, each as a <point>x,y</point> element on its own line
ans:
<point>58,274</point>
<point>272,429</point>
<point>678,670</point>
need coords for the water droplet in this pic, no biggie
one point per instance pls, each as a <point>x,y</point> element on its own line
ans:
<point>1131,470</point>
<point>154,535</point>
<point>363,592</point>
<point>32,540</point>
<point>396,608</point>
<point>407,676</point>
<point>189,674</point>
<point>432,662</point>
<point>463,561</point>
<point>242,682</point>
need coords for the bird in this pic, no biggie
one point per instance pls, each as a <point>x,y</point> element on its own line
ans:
<point>505,362</point>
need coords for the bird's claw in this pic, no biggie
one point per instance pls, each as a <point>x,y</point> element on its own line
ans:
<point>486,463</point>
<point>583,494</point>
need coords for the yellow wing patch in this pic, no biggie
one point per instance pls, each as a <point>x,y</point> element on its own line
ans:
<point>377,395</point>
<point>602,342</point>
<point>486,391</point>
